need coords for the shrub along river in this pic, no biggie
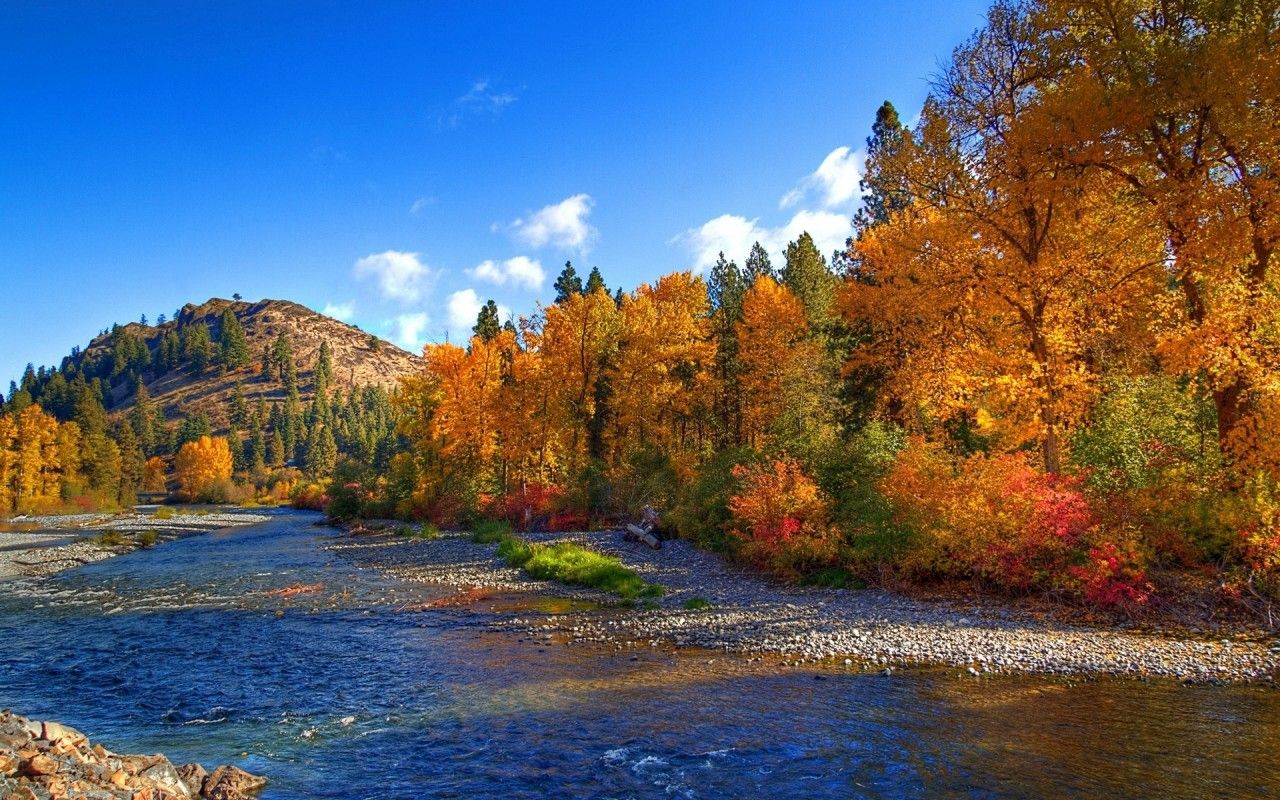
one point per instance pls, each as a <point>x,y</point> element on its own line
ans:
<point>345,692</point>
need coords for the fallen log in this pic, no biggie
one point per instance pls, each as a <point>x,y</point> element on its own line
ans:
<point>635,533</point>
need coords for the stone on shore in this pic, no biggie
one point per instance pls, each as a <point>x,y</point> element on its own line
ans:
<point>55,762</point>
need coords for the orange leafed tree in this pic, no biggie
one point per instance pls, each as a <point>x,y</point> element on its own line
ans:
<point>201,464</point>
<point>775,354</point>
<point>1010,271</point>
<point>660,381</point>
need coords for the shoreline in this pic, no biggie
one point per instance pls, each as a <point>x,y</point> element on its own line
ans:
<point>44,546</point>
<point>750,615</point>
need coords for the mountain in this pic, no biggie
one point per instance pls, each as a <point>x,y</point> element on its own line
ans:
<point>181,389</point>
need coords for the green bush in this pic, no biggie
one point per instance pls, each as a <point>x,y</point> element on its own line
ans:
<point>647,478</point>
<point>701,513</point>
<point>490,530</point>
<point>109,538</point>
<point>146,538</point>
<point>164,512</point>
<point>696,604</point>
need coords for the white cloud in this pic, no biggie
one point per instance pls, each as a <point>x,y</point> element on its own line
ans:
<point>835,180</point>
<point>733,235</point>
<point>406,330</point>
<point>521,271</point>
<point>462,307</point>
<point>341,311</point>
<point>420,203</point>
<point>481,99</point>
<point>400,276</point>
<point>562,225</point>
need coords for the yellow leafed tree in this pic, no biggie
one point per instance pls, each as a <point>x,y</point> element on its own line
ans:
<point>201,464</point>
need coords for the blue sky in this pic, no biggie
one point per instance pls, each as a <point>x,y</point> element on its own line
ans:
<point>399,163</point>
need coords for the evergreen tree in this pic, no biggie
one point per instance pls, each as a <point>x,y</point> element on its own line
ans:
<point>236,445</point>
<point>238,414</point>
<point>193,427</point>
<point>594,281</point>
<point>257,455</point>
<point>487,326</point>
<point>321,452</point>
<point>807,276</point>
<point>725,288</point>
<point>197,347</point>
<point>132,466</point>
<point>142,418</point>
<point>282,359</point>
<point>274,450</point>
<point>265,374</point>
<point>568,283</point>
<point>881,195</point>
<point>758,265</point>
<point>143,320</point>
<point>231,339</point>
<point>160,320</point>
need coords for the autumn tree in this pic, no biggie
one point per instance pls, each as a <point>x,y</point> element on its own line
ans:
<point>202,464</point>
<point>1008,272</point>
<point>775,351</point>
<point>1175,103</point>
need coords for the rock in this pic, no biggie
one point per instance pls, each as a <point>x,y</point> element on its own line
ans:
<point>57,734</point>
<point>193,775</point>
<point>40,764</point>
<point>231,783</point>
<point>166,777</point>
<point>8,764</point>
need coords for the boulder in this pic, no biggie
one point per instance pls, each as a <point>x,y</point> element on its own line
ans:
<point>193,775</point>
<point>231,783</point>
<point>166,778</point>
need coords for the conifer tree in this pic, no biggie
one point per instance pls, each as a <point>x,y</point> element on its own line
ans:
<point>487,326</point>
<point>568,283</point>
<point>231,339</point>
<point>595,281</point>
<point>758,265</point>
<point>808,278</point>
<point>197,347</point>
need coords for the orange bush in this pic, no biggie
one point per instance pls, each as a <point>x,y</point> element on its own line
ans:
<point>1005,523</point>
<point>781,517</point>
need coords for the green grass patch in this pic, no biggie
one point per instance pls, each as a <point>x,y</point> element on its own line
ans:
<point>146,538</point>
<point>164,512</point>
<point>576,566</point>
<point>697,604</point>
<point>490,531</point>
<point>515,552</point>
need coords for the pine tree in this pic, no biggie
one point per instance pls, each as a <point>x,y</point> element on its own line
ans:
<point>236,445</point>
<point>238,414</point>
<point>132,465</point>
<point>881,194</point>
<point>142,419</point>
<point>274,451</point>
<point>758,265</point>
<point>231,339</point>
<point>725,288</point>
<point>282,359</point>
<point>321,452</point>
<point>595,281</point>
<point>197,347</point>
<point>487,326</point>
<point>807,276</point>
<point>568,283</point>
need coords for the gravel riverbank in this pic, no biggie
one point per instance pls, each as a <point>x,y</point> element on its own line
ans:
<point>38,546</point>
<point>868,629</point>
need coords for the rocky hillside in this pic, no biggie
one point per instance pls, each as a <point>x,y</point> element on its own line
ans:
<point>358,358</point>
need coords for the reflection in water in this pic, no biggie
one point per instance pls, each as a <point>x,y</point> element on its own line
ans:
<point>183,649</point>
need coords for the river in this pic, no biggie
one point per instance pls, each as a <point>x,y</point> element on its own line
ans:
<point>345,693</point>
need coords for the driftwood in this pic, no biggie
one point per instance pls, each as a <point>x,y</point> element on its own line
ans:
<point>644,531</point>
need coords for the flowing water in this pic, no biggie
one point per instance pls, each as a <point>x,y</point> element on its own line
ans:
<point>347,692</point>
